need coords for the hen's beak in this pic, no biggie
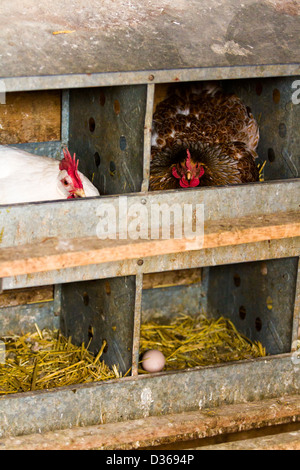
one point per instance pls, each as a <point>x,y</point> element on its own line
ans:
<point>79,193</point>
<point>188,175</point>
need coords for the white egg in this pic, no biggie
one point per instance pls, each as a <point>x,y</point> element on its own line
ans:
<point>153,361</point>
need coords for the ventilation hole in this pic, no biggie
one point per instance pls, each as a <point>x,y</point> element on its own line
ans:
<point>276,96</point>
<point>92,124</point>
<point>123,143</point>
<point>271,155</point>
<point>258,324</point>
<point>117,107</point>
<point>97,159</point>
<point>242,312</point>
<point>106,346</point>
<point>86,299</point>
<point>90,332</point>
<point>102,98</point>
<point>237,280</point>
<point>282,130</point>
<point>259,89</point>
<point>112,168</point>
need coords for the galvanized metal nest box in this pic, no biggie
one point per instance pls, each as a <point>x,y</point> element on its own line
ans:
<point>88,78</point>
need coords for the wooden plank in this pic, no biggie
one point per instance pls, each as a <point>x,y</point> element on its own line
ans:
<point>54,253</point>
<point>181,277</point>
<point>13,298</point>
<point>281,441</point>
<point>164,430</point>
<point>30,117</point>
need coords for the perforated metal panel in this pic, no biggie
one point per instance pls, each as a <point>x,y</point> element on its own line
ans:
<point>274,104</point>
<point>101,310</point>
<point>106,128</point>
<point>259,298</point>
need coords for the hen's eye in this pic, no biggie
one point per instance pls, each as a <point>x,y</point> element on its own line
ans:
<point>66,183</point>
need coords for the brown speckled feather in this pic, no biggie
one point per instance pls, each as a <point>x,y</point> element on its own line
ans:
<point>219,129</point>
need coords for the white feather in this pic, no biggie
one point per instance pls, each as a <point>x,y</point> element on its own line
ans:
<point>28,178</point>
<point>154,138</point>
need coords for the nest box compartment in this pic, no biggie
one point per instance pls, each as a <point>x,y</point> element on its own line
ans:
<point>105,127</point>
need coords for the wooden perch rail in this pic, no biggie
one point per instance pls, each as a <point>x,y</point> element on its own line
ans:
<point>55,253</point>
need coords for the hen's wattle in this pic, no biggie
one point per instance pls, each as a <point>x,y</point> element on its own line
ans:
<point>202,137</point>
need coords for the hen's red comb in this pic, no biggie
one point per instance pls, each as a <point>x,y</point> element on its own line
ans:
<point>71,166</point>
<point>188,160</point>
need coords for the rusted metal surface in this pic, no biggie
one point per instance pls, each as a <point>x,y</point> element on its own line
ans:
<point>146,39</point>
<point>104,309</point>
<point>149,395</point>
<point>164,430</point>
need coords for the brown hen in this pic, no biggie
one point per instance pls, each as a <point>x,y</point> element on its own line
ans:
<point>202,137</point>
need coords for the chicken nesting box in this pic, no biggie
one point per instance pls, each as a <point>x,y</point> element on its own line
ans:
<point>246,270</point>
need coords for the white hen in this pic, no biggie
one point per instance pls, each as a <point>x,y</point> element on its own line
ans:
<point>28,178</point>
